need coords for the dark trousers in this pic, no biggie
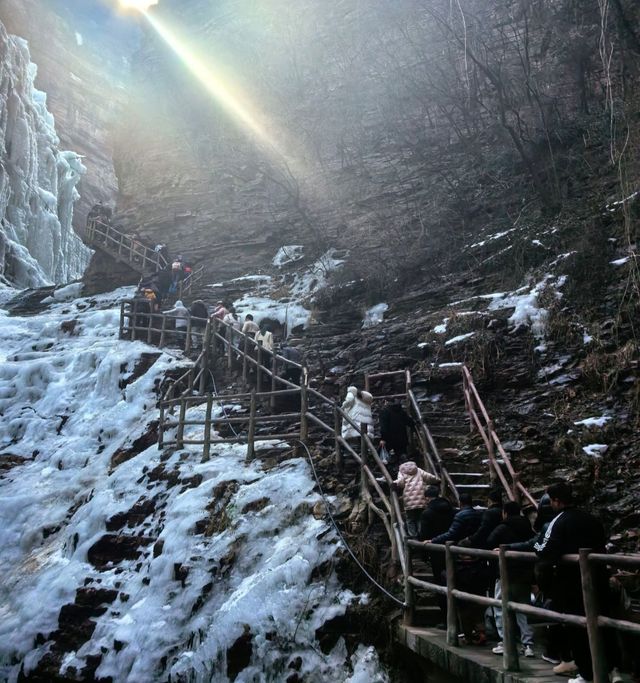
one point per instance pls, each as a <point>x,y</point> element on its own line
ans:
<point>413,522</point>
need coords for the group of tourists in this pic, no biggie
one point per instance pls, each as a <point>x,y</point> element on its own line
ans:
<point>556,528</point>
<point>553,529</point>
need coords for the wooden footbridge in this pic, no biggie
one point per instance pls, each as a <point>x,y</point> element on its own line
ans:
<point>187,419</point>
<point>132,252</point>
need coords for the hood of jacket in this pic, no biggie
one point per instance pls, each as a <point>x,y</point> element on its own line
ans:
<point>179,304</point>
<point>408,468</point>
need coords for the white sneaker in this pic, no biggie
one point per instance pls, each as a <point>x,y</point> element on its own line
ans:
<point>616,676</point>
<point>565,668</point>
<point>528,651</point>
<point>579,679</point>
<point>551,660</point>
<point>498,649</point>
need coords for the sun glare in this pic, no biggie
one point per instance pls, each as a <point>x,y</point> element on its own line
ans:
<point>219,89</point>
<point>141,5</point>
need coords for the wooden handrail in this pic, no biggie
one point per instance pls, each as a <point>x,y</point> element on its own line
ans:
<point>113,240</point>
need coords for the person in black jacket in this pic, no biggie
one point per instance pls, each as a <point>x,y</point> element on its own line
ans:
<point>394,427</point>
<point>568,532</point>
<point>465,522</point>
<point>435,520</point>
<point>514,528</point>
<point>491,517</point>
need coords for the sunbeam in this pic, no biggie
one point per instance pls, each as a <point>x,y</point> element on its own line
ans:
<point>219,89</point>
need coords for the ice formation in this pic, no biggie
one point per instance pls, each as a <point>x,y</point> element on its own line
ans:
<point>37,180</point>
<point>70,400</point>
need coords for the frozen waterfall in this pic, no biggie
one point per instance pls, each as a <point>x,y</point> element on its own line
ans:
<point>37,181</point>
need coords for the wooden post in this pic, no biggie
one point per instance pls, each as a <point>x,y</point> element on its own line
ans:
<point>206,343</point>
<point>251,451</point>
<point>337,428</point>
<point>181,419</point>
<point>274,377</point>
<point>187,341</point>
<point>509,626</point>
<point>120,244</point>
<point>161,427</point>
<point>259,367</point>
<point>364,484</point>
<point>409,595</point>
<point>121,332</point>
<point>132,319</point>
<point>304,407</point>
<point>452,612</point>
<point>214,342</point>
<point>163,331</point>
<point>493,475</point>
<point>245,362</point>
<point>591,610</point>
<point>366,382</point>
<point>152,315</point>
<point>207,430</point>
<point>229,337</point>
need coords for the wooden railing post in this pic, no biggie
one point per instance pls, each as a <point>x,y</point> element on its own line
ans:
<point>229,338</point>
<point>181,420</point>
<point>207,430</point>
<point>187,341</point>
<point>409,595</point>
<point>251,450</point>
<point>274,377</point>
<point>304,407</point>
<point>206,343</point>
<point>493,475</point>
<point>245,361</point>
<point>259,367</point>
<point>215,323</point>
<point>122,319</point>
<point>509,626</point>
<point>163,331</point>
<point>133,319</point>
<point>452,612</point>
<point>337,428</point>
<point>364,457</point>
<point>591,610</point>
<point>161,427</point>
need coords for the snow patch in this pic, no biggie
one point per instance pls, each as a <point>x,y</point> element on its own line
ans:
<point>288,254</point>
<point>375,315</point>
<point>596,450</point>
<point>459,338</point>
<point>594,421</point>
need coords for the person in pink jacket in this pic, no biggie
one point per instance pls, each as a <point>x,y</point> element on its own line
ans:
<point>412,481</point>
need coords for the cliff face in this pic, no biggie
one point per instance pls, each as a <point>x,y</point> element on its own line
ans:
<point>84,91</point>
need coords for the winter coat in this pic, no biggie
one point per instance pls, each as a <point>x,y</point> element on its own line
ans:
<point>394,422</point>
<point>200,313</point>
<point>181,314</point>
<point>267,340</point>
<point>465,522</point>
<point>571,530</point>
<point>515,529</point>
<point>436,518</point>
<point>491,517</point>
<point>411,479</point>
<point>250,327</point>
<point>359,410</point>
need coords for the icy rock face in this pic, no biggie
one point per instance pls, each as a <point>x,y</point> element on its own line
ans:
<point>37,183</point>
<point>122,561</point>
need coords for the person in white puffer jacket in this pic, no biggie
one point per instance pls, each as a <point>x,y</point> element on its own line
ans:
<point>357,405</point>
<point>411,479</point>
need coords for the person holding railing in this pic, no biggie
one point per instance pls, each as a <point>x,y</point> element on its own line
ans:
<point>250,327</point>
<point>568,532</point>
<point>470,573</point>
<point>411,481</point>
<point>514,529</point>
<point>199,316</point>
<point>491,518</point>
<point>357,405</point>
<point>181,313</point>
